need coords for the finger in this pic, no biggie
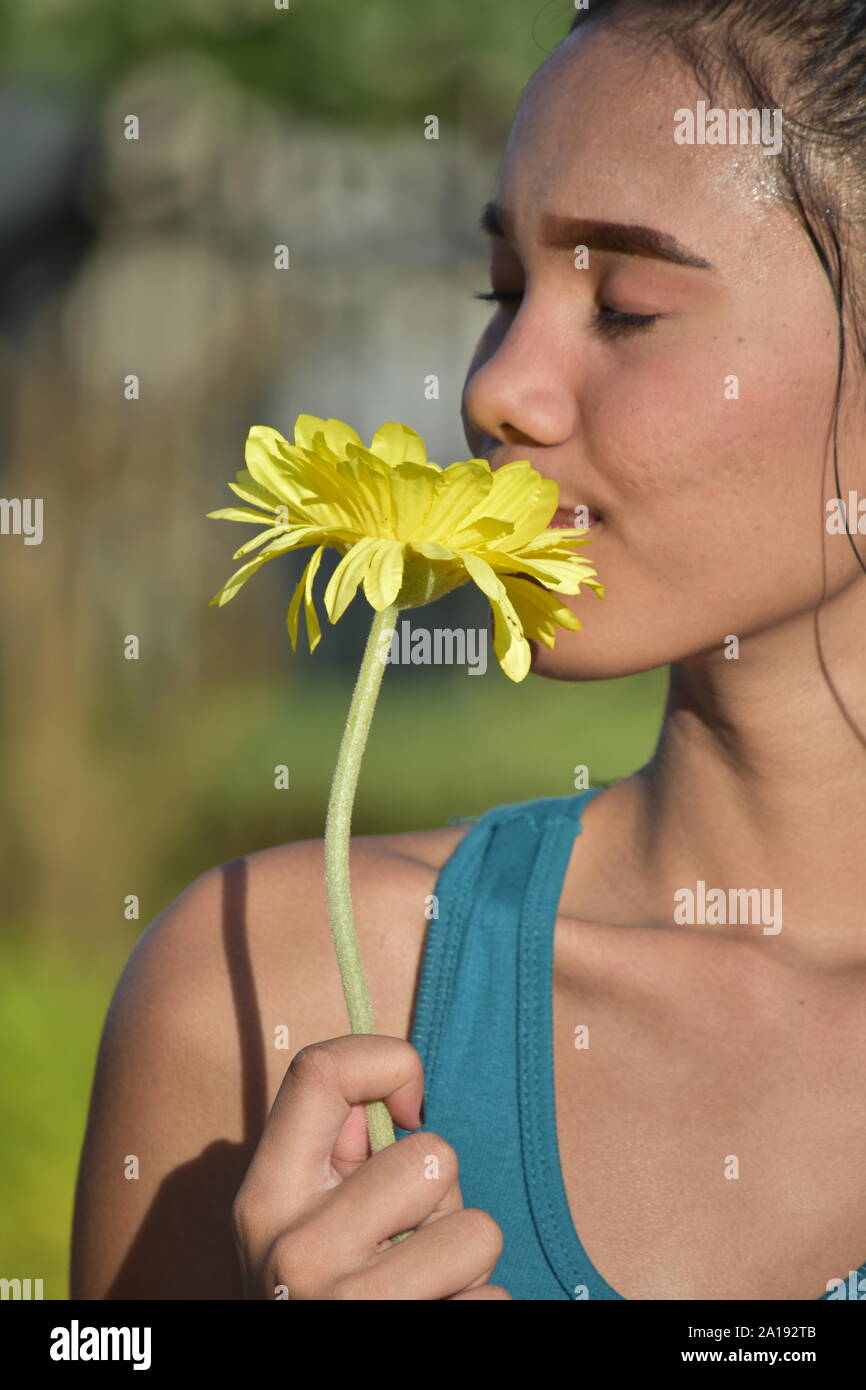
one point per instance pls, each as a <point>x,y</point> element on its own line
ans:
<point>451,1255</point>
<point>409,1184</point>
<point>293,1160</point>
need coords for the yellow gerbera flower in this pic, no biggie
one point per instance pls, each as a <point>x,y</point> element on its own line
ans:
<point>408,530</point>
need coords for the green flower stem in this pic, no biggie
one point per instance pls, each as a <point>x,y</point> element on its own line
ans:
<point>337,837</point>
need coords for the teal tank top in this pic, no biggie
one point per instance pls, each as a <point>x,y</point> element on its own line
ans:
<point>483,1027</point>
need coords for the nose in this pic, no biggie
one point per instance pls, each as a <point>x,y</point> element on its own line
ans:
<point>517,393</point>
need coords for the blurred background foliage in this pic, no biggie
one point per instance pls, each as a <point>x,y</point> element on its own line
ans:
<point>155,257</point>
<point>376,62</point>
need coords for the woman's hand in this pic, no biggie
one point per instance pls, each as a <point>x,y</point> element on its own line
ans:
<point>315,1212</point>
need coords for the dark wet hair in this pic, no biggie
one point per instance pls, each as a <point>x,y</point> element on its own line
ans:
<point>806,58</point>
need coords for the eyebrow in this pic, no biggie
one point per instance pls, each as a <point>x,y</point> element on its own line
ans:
<point>625,238</point>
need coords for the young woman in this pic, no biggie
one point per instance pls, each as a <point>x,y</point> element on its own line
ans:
<point>627,1095</point>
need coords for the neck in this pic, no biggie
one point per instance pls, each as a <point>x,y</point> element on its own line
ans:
<point>759,777</point>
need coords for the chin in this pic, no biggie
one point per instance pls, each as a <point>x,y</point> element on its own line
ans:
<point>567,662</point>
<point>581,656</point>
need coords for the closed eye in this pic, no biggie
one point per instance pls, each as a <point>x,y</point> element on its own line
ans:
<point>609,322</point>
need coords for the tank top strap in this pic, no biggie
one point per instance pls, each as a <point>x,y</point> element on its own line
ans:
<point>476,913</point>
<point>467,1025</point>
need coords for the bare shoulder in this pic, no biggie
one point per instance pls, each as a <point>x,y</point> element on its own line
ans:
<point>218,995</point>
<point>257,927</point>
<point>393,877</point>
<point>245,957</point>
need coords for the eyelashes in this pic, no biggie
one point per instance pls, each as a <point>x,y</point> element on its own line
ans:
<point>610,323</point>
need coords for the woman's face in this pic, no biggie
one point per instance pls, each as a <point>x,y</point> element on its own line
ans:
<point>702,438</point>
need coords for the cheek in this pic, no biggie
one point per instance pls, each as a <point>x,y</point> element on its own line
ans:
<point>734,428</point>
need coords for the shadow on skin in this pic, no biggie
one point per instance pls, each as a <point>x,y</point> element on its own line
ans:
<point>197,1196</point>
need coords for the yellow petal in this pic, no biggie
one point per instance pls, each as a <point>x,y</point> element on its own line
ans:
<point>509,643</point>
<point>242,514</point>
<point>258,540</point>
<point>413,492</point>
<point>314,631</point>
<point>343,583</point>
<point>543,546</point>
<point>484,531</point>
<point>385,574</point>
<point>338,435</point>
<point>371,477</point>
<point>397,443</point>
<point>513,488</point>
<point>298,536</point>
<point>240,577</point>
<point>317,491</point>
<point>461,488</point>
<point>577,564</point>
<point>249,491</point>
<point>306,429</point>
<point>534,512</point>
<point>304,587</point>
<point>317,485</point>
<point>331,441</point>
<point>540,612</point>
<point>266,469</point>
<point>269,437</point>
<point>483,575</point>
<point>432,550</point>
<point>559,535</point>
<point>565,575</point>
<point>294,607</point>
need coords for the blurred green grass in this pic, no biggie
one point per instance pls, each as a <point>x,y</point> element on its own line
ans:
<point>442,744</point>
<point>52,1002</point>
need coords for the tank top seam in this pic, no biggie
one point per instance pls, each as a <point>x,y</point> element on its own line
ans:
<point>454,882</point>
<point>529,1019</point>
<point>537,1098</point>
